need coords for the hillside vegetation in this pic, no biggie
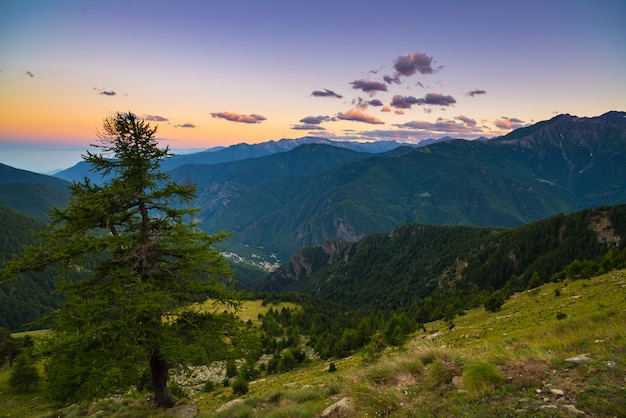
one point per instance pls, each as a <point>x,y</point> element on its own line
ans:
<point>427,267</point>
<point>555,351</point>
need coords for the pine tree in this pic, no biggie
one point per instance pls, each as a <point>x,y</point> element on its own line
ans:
<point>144,259</point>
<point>24,375</point>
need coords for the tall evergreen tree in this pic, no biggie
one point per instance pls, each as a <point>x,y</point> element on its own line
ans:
<point>144,259</point>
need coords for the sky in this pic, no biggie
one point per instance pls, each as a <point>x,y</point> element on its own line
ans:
<point>216,73</point>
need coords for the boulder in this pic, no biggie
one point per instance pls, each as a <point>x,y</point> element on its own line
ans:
<point>340,409</point>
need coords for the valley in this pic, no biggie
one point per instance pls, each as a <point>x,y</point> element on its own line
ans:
<point>455,278</point>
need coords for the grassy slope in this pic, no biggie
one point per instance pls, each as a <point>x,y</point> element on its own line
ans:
<point>489,364</point>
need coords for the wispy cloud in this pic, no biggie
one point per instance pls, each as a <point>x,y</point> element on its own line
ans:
<point>315,120</point>
<point>368,86</point>
<point>30,74</point>
<point>358,116</point>
<point>108,93</point>
<point>509,123</point>
<point>441,126</point>
<point>435,99</point>
<point>473,93</point>
<point>235,117</point>
<point>392,79</point>
<point>438,99</point>
<point>186,125</point>
<point>326,93</point>
<point>308,127</point>
<point>155,118</point>
<point>466,120</point>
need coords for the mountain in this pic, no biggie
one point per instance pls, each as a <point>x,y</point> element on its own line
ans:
<point>238,152</point>
<point>556,166</point>
<point>417,261</point>
<point>31,193</point>
<point>219,184</point>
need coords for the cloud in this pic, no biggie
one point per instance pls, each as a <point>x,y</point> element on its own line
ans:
<point>405,102</point>
<point>235,117</point>
<point>386,109</point>
<point>395,79</point>
<point>466,120</point>
<point>409,64</point>
<point>30,74</point>
<point>185,125</point>
<point>368,86</point>
<point>438,99</point>
<point>315,120</point>
<point>441,126</point>
<point>509,123</point>
<point>375,102</point>
<point>108,93</point>
<point>308,127</point>
<point>155,118</point>
<point>326,93</point>
<point>358,116</point>
<point>473,93</point>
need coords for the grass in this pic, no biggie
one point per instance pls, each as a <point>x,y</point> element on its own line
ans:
<point>510,363</point>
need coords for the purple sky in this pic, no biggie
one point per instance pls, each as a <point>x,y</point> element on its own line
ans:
<point>222,72</point>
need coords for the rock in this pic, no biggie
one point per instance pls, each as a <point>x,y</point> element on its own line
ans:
<point>340,409</point>
<point>581,358</point>
<point>573,409</point>
<point>557,392</point>
<point>548,407</point>
<point>184,411</point>
<point>228,405</point>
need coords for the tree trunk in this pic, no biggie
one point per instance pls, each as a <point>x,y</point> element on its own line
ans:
<point>159,369</point>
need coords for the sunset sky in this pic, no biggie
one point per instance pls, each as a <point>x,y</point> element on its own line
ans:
<point>215,73</point>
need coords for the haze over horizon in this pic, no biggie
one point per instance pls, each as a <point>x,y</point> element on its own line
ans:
<point>220,73</point>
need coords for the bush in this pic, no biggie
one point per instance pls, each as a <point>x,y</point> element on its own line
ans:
<point>438,374</point>
<point>24,375</point>
<point>240,386</point>
<point>480,375</point>
<point>332,368</point>
<point>209,386</point>
<point>494,302</point>
<point>231,369</point>
<point>177,390</point>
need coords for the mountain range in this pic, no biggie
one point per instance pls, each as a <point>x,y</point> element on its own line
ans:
<point>557,166</point>
<point>280,196</point>
<point>450,204</point>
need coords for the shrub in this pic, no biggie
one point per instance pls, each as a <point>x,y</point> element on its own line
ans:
<point>231,369</point>
<point>480,375</point>
<point>332,368</point>
<point>209,386</point>
<point>438,374</point>
<point>240,386</point>
<point>24,375</point>
<point>494,302</point>
<point>177,390</point>
<point>561,315</point>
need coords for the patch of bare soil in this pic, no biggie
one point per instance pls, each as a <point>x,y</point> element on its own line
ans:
<point>526,372</point>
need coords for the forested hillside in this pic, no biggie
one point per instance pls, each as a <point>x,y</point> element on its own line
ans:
<point>430,266</point>
<point>31,296</point>
<point>558,166</point>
